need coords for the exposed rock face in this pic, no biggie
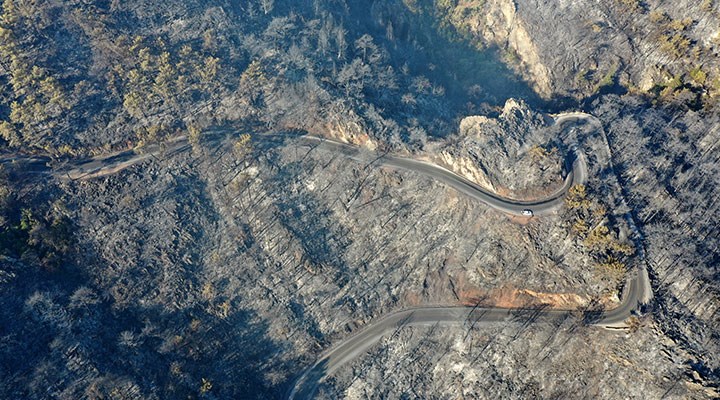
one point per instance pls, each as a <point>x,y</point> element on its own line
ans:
<point>504,28</point>
<point>543,41</point>
<point>349,131</point>
<point>512,155</point>
<point>572,48</point>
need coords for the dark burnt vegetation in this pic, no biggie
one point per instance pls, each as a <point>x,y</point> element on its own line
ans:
<point>222,271</point>
<point>87,78</point>
<point>667,162</point>
<point>34,227</point>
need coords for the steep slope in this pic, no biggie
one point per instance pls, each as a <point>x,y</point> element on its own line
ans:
<point>667,49</point>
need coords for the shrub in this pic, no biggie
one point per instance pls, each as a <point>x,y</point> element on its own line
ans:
<point>577,198</point>
<point>698,76</point>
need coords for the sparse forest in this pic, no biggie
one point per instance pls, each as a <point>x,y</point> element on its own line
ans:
<point>139,77</point>
<point>223,268</point>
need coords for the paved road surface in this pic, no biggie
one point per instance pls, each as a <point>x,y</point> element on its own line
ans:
<point>469,188</point>
<point>637,290</point>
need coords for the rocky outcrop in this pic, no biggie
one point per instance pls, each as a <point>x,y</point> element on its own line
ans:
<point>347,128</point>
<point>512,155</point>
<point>575,48</point>
<point>504,28</point>
<point>497,23</point>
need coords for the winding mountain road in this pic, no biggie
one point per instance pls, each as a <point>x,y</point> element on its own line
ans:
<point>636,293</point>
<point>467,187</point>
<point>637,290</point>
